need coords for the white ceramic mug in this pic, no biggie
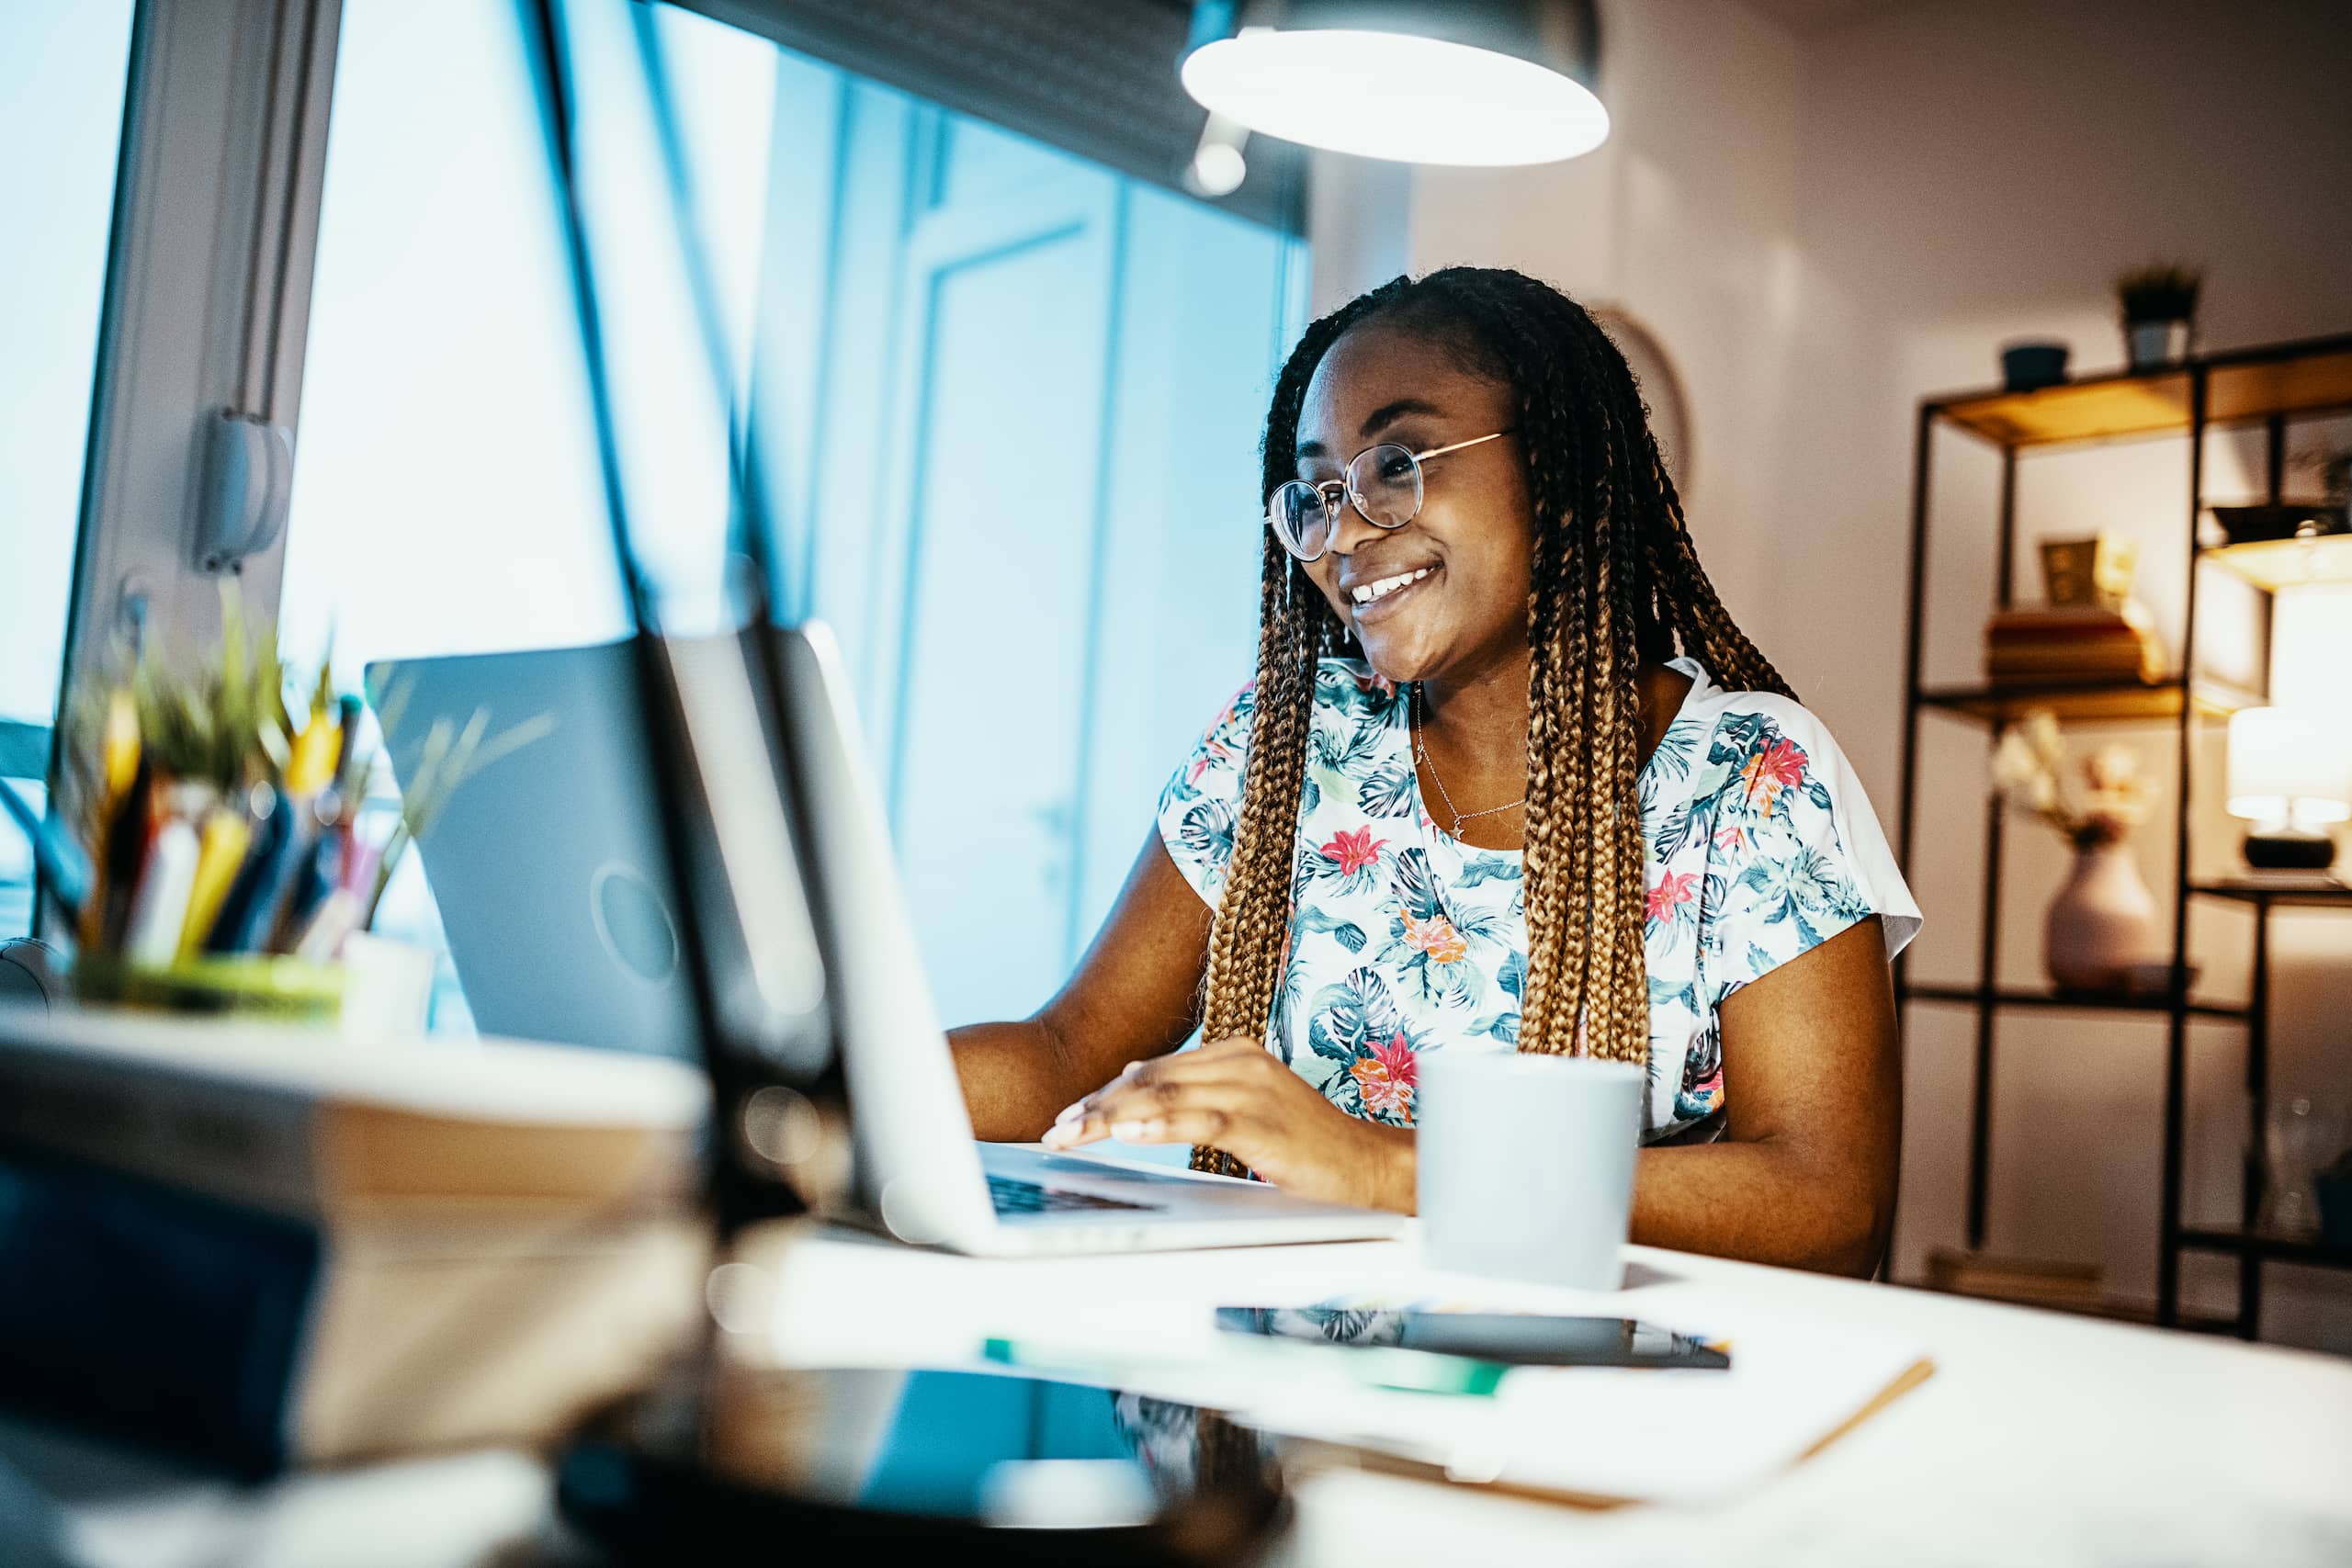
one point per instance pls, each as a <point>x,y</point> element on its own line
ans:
<point>1526,1165</point>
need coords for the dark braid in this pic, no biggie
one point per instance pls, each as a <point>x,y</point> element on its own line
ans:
<point>1614,580</point>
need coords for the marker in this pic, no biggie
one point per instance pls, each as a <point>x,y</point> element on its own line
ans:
<point>160,911</point>
<point>221,854</point>
<point>254,895</point>
<point>124,855</point>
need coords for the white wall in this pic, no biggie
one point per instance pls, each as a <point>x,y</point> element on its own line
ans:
<point>1679,219</point>
<point>1825,230</point>
<point>1967,173</point>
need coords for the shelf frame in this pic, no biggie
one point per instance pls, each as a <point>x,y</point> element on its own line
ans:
<point>2308,378</point>
<point>2251,1244</point>
<point>2268,385</point>
<point>2087,1001</point>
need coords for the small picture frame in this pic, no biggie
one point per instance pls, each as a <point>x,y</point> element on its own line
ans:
<point>2093,573</point>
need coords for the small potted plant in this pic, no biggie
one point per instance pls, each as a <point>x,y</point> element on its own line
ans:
<point>2159,314</point>
<point>2101,932</point>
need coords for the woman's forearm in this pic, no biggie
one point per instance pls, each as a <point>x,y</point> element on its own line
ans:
<point>1763,1203</point>
<point>1758,1203</point>
<point>1016,1078</point>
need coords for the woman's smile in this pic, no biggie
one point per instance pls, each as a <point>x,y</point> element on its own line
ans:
<point>1377,598</point>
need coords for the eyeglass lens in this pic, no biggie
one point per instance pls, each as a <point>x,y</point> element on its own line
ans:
<point>1383,483</point>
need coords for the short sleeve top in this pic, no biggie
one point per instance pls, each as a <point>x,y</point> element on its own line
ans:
<point>1760,845</point>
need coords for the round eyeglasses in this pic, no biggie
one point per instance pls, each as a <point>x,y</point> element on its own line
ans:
<point>1382,483</point>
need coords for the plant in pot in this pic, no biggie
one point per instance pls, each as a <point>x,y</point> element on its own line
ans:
<point>2159,314</point>
<point>2100,934</point>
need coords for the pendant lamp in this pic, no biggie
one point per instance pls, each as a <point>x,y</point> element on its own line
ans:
<point>1464,82</point>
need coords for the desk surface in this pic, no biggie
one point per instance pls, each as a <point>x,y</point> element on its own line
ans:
<point>2041,1439</point>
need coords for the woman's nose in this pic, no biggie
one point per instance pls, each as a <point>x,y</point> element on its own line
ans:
<point>1350,530</point>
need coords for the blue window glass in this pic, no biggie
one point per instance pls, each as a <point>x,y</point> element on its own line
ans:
<point>1007,403</point>
<point>62,79</point>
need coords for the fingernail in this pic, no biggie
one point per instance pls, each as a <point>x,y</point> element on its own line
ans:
<point>1134,1131</point>
<point>1070,1112</point>
<point>1057,1135</point>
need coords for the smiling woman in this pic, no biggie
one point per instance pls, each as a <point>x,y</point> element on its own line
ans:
<point>1478,593</point>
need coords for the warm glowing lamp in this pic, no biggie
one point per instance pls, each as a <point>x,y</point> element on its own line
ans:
<point>2290,775</point>
<point>1477,81</point>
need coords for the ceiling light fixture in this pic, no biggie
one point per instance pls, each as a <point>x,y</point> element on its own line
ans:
<point>1465,81</point>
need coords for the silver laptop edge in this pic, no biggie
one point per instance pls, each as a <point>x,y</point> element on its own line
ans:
<point>919,1170</point>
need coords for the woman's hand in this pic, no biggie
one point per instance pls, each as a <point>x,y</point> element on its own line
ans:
<point>1236,1096</point>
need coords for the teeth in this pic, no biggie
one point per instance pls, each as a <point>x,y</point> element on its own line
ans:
<point>1365,593</point>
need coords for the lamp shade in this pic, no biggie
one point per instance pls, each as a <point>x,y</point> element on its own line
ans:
<point>2288,766</point>
<point>1464,82</point>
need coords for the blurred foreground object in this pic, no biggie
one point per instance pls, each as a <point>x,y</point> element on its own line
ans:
<point>1465,81</point>
<point>257,1250</point>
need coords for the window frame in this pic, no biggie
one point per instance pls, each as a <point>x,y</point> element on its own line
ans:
<point>205,307</point>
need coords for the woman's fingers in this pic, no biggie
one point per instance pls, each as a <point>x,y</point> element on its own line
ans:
<point>1144,1108</point>
<point>1237,1061</point>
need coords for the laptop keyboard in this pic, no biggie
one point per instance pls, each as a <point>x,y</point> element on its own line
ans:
<point>1012,1196</point>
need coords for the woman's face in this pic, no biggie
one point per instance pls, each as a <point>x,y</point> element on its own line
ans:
<point>1474,533</point>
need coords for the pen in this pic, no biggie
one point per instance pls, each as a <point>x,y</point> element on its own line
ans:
<point>1385,1367</point>
<point>124,854</point>
<point>118,765</point>
<point>314,877</point>
<point>349,709</point>
<point>252,894</point>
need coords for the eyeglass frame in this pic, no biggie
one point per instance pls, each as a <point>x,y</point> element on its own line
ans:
<point>1345,487</point>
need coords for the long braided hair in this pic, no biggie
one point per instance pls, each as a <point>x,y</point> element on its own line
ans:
<point>1614,579</point>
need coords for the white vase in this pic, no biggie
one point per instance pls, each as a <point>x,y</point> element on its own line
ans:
<point>2102,925</point>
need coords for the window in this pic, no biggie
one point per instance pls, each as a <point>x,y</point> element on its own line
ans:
<point>62,80</point>
<point>1008,399</point>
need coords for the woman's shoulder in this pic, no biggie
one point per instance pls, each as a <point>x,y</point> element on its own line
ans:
<point>1715,708</point>
<point>1761,740</point>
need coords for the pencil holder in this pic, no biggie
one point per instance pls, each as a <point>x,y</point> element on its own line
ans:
<point>288,990</point>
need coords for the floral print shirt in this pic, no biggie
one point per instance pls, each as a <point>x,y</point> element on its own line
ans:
<point>1761,846</point>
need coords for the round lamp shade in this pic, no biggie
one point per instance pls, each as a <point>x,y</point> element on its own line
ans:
<point>2288,766</point>
<point>1462,82</point>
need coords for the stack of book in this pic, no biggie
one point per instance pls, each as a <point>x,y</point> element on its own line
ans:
<point>2071,645</point>
<point>259,1249</point>
<point>2067,1287</point>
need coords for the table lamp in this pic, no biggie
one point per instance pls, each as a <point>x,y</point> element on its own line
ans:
<point>2290,775</point>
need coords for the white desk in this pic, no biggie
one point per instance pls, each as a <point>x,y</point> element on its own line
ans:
<point>2041,1440</point>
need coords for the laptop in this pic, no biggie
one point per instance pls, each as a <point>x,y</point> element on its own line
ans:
<point>555,893</point>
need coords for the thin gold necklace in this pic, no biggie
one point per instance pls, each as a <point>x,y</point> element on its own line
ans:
<point>1421,759</point>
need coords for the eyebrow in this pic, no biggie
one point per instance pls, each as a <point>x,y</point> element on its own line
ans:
<point>1387,413</point>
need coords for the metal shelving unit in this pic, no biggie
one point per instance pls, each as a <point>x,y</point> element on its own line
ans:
<point>2266,387</point>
